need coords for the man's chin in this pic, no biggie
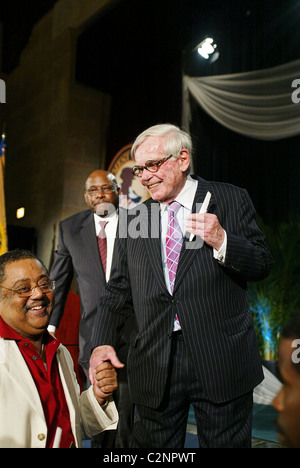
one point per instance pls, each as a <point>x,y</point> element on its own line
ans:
<point>104,209</point>
<point>102,213</point>
<point>156,194</point>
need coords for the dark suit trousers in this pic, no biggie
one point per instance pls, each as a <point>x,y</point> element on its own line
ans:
<point>218,425</point>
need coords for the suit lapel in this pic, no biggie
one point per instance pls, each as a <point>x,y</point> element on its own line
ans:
<point>202,189</point>
<point>151,219</point>
<point>153,248</point>
<point>67,380</point>
<point>89,239</point>
<point>189,249</point>
<point>20,373</point>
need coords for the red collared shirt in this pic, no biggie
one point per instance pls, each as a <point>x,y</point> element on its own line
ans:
<point>48,383</point>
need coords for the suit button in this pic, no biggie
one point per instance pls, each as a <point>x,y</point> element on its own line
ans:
<point>41,436</point>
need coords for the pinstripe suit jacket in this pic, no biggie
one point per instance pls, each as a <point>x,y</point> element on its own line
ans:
<point>210,300</point>
<point>77,256</point>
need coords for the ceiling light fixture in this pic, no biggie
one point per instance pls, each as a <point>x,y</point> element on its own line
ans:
<point>20,213</point>
<point>208,49</point>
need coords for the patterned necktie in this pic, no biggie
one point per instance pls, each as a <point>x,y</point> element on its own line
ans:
<point>102,244</point>
<point>174,241</point>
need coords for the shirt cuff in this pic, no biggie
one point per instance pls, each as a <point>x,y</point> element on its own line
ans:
<point>107,415</point>
<point>221,253</point>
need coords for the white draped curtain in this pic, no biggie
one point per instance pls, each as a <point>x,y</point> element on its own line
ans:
<point>256,104</point>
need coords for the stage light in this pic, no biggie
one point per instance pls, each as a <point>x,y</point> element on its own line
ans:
<point>207,48</point>
<point>20,213</point>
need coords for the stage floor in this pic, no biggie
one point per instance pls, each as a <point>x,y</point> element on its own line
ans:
<point>263,431</point>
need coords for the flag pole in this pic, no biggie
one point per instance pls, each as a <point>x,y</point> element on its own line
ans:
<point>3,231</point>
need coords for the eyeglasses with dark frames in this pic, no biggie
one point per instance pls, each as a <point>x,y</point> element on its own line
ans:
<point>46,286</point>
<point>151,166</point>
<point>103,188</point>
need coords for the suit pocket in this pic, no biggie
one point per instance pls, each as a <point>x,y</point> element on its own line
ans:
<point>238,323</point>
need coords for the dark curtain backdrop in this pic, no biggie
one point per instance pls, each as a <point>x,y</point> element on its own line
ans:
<point>137,52</point>
<point>251,36</point>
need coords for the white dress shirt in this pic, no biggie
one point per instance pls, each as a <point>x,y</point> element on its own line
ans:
<point>110,231</point>
<point>186,199</point>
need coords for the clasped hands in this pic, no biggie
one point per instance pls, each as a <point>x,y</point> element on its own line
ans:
<point>206,226</point>
<point>102,372</point>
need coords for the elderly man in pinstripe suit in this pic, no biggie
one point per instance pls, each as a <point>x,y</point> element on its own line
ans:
<point>195,342</point>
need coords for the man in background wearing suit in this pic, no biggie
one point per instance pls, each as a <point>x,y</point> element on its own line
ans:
<point>78,255</point>
<point>195,341</point>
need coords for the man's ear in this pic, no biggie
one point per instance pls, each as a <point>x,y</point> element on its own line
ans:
<point>184,159</point>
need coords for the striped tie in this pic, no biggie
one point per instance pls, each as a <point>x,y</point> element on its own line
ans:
<point>174,241</point>
<point>102,244</point>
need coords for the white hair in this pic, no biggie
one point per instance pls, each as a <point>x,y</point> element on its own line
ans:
<point>175,139</point>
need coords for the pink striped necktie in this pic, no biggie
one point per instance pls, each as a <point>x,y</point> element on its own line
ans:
<point>102,244</point>
<point>174,240</point>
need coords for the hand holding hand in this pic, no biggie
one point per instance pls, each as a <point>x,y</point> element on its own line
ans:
<point>105,382</point>
<point>100,355</point>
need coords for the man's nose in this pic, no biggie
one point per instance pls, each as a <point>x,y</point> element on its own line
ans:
<point>36,292</point>
<point>145,175</point>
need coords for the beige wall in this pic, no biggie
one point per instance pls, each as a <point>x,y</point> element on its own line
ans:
<point>55,127</point>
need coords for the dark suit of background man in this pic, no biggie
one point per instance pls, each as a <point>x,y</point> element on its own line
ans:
<point>209,357</point>
<point>78,256</point>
